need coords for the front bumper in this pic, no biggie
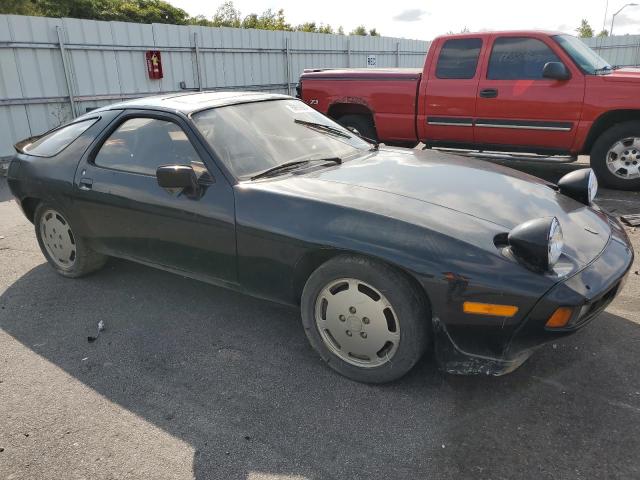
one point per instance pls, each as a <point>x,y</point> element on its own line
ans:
<point>588,292</point>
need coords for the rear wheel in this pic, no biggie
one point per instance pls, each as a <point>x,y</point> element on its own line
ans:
<point>360,124</point>
<point>67,253</point>
<point>615,156</point>
<point>365,319</point>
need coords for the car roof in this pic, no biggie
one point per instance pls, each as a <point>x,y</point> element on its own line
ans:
<point>189,102</point>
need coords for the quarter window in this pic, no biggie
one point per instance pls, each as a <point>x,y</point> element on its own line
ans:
<point>53,143</point>
<point>141,145</point>
<point>459,58</point>
<point>519,58</point>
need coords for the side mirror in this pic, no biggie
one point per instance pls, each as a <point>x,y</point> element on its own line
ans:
<point>178,176</point>
<point>556,71</point>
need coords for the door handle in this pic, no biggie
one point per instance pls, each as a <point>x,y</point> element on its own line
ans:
<point>86,184</point>
<point>489,93</point>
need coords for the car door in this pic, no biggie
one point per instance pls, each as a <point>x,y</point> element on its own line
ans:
<point>450,93</point>
<point>519,108</point>
<point>126,212</point>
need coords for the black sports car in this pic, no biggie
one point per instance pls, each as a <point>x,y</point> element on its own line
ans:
<point>386,250</point>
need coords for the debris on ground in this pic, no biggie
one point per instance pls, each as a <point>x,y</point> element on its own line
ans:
<point>92,339</point>
<point>632,220</point>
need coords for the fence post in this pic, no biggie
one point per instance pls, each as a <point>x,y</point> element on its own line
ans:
<point>397,54</point>
<point>197,52</point>
<point>287,64</point>
<point>67,73</point>
<point>348,52</point>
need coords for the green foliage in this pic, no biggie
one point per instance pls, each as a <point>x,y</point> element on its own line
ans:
<point>359,30</point>
<point>160,11</point>
<point>584,30</point>
<point>603,33</point>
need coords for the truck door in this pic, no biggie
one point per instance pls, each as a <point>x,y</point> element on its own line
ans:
<point>449,95</point>
<point>517,107</point>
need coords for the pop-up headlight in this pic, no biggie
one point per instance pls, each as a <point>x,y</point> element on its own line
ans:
<point>537,243</point>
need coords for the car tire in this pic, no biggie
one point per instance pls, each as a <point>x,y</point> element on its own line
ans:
<point>403,306</point>
<point>362,124</point>
<point>68,254</point>
<point>605,147</point>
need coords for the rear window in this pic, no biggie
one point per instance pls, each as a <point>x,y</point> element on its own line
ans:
<point>56,141</point>
<point>459,58</point>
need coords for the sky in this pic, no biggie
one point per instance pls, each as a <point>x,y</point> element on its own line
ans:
<point>423,20</point>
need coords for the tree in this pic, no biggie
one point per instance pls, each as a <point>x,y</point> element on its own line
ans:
<point>227,15</point>
<point>584,30</point>
<point>160,11</point>
<point>603,33</point>
<point>359,30</point>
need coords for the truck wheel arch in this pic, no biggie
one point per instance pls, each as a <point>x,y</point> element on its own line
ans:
<point>604,122</point>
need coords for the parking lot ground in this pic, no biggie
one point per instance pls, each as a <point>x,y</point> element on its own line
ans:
<point>189,380</point>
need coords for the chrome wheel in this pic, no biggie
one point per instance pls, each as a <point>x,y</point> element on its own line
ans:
<point>357,323</point>
<point>623,158</point>
<point>58,239</point>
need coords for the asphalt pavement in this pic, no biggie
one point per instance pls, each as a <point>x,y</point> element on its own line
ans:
<point>189,380</point>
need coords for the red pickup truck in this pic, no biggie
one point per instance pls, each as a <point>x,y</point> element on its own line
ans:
<point>538,92</point>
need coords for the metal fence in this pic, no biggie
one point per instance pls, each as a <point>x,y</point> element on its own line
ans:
<point>623,50</point>
<point>52,70</point>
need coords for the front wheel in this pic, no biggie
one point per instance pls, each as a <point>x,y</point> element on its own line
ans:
<point>66,252</point>
<point>365,319</point>
<point>615,156</point>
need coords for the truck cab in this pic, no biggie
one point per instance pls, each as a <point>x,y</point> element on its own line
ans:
<point>522,91</point>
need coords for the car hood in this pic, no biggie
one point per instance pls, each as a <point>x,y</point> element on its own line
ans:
<point>623,75</point>
<point>490,192</point>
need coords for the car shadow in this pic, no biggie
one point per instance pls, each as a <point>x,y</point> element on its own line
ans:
<point>236,379</point>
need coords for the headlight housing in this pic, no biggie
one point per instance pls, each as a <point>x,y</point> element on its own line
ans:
<point>581,185</point>
<point>537,243</point>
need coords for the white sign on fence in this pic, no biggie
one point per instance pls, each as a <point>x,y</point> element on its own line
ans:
<point>372,61</point>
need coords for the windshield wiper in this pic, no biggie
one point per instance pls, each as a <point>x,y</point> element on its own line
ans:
<point>279,168</point>
<point>323,128</point>
<point>293,164</point>
<point>606,68</point>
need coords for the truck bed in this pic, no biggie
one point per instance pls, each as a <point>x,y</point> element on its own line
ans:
<point>390,94</point>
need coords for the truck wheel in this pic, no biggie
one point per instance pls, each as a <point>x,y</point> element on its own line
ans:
<point>615,156</point>
<point>365,319</point>
<point>67,253</point>
<point>362,124</point>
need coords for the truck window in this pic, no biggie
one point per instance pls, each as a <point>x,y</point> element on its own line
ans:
<point>459,58</point>
<point>518,58</point>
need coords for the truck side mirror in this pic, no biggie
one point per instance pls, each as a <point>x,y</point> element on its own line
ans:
<point>556,71</point>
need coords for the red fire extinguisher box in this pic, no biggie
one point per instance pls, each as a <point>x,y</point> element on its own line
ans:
<point>154,64</point>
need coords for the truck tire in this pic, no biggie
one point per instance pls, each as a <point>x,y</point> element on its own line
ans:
<point>366,319</point>
<point>615,156</point>
<point>362,124</point>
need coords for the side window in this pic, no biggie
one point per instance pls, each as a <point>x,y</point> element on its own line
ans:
<point>141,145</point>
<point>518,58</point>
<point>459,58</point>
<point>56,141</point>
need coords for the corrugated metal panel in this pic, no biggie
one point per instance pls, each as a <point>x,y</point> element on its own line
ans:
<point>106,63</point>
<point>623,50</point>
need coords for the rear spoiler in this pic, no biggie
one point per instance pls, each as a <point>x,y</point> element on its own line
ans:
<point>19,147</point>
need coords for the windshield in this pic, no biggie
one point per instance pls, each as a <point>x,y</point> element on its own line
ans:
<point>588,60</point>
<point>253,137</point>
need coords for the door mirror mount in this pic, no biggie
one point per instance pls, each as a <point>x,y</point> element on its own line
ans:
<point>180,177</point>
<point>556,71</point>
